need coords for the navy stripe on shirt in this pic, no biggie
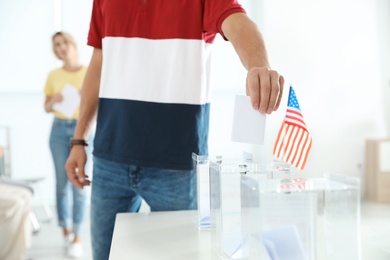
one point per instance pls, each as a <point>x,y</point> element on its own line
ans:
<point>149,134</point>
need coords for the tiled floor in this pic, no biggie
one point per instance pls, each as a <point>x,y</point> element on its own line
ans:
<point>375,236</point>
<point>48,243</point>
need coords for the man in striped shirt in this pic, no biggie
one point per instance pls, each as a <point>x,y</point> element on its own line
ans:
<point>149,84</point>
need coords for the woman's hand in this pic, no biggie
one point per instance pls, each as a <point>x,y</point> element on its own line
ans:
<point>51,100</point>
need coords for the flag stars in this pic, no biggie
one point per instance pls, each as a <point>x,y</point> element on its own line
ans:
<point>293,102</point>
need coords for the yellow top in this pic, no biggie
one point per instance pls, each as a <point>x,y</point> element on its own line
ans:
<point>58,79</point>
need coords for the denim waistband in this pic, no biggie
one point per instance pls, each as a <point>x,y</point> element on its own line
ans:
<point>65,121</point>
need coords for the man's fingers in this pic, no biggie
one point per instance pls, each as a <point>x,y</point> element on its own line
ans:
<point>265,88</point>
<point>86,182</point>
<point>75,174</point>
<point>74,179</point>
<point>258,86</point>
<point>252,87</point>
<point>274,91</point>
<point>281,88</point>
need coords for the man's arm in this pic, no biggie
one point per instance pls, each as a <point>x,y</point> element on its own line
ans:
<point>263,85</point>
<point>89,96</point>
<point>88,108</point>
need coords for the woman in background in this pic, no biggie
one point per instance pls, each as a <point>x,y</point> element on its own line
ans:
<point>64,84</point>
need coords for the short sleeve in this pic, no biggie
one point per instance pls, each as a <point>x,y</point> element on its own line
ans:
<point>49,91</point>
<point>216,11</point>
<point>95,26</point>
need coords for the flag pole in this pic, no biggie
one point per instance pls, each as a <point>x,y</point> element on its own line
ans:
<point>293,141</point>
<point>286,177</point>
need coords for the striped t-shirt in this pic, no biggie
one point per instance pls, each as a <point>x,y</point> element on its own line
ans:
<point>154,97</point>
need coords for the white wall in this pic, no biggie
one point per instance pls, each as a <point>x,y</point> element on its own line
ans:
<point>25,47</point>
<point>26,57</point>
<point>335,53</point>
<point>329,51</point>
<point>26,28</point>
<point>383,9</point>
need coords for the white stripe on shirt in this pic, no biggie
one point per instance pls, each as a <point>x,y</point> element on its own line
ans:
<point>162,71</point>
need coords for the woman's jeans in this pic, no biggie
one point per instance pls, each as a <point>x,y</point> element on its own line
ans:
<point>70,215</point>
<point>118,187</point>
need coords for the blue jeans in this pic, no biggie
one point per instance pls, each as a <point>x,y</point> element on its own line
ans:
<point>120,187</point>
<point>69,216</point>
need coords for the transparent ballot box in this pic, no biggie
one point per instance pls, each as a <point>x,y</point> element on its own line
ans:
<point>203,190</point>
<point>202,164</point>
<point>258,217</point>
<point>226,203</point>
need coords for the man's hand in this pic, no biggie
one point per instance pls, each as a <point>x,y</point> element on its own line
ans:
<point>265,87</point>
<point>75,167</point>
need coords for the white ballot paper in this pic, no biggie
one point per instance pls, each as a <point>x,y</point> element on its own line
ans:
<point>284,243</point>
<point>70,101</point>
<point>248,124</point>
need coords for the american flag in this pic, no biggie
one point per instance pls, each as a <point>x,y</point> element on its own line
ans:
<point>293,142</point>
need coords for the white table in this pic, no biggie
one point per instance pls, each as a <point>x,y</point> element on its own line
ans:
<point>163,235</point>
<point>174,235</point>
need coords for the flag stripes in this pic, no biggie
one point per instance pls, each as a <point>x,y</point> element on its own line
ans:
<point>294,116</point>
<point>293,141</point>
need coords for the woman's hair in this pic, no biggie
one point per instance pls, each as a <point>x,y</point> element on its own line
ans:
<point>67,36</point>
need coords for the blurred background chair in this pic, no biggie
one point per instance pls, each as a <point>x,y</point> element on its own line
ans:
<point>34,221</point>
<point>29,183</point>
